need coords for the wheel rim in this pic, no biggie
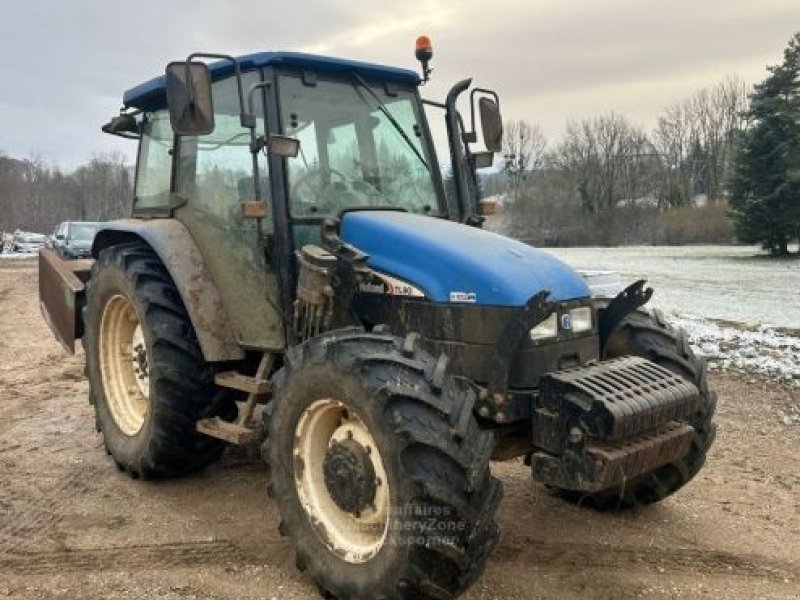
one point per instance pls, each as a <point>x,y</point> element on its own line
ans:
<point>333,446</point>
<point>124,365</point>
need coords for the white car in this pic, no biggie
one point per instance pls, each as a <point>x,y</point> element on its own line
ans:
<point>28,242</point>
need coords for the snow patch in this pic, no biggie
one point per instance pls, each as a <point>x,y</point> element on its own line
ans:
<point>18,255</point>
<point>762,350</point>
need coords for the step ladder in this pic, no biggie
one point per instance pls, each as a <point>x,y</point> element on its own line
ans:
<point>259,391</point>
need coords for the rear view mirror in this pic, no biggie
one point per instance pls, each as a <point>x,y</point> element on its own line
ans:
<point>60,236</point>
<point>123,125</point>
<point>492,124</point>
<point>191,111</point>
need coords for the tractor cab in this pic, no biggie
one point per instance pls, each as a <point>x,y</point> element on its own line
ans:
<point>252,154</point>
<point>354,136</point>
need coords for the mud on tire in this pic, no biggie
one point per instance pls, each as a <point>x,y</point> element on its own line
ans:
<point>436,458</point>
<point>649,335</point>
<point>181,384</point>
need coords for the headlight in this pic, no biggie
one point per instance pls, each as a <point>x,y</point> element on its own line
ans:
<point>546,329</point>
<point>581,319</point>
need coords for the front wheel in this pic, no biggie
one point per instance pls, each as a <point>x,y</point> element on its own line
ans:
<point>379,469</point>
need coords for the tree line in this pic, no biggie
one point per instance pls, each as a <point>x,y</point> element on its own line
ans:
<point>717,163</point>
<point>36,196</point>
<point>606,168</point>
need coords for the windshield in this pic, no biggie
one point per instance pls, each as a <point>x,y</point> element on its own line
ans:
<point>82,231</point>
<point>352,155</point>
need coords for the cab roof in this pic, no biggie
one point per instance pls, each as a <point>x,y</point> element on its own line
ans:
<point>151,95</point>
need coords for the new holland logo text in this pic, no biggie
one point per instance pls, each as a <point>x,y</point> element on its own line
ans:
<point>470,297</point>
<point>372,287</point>
<point>383,284</point>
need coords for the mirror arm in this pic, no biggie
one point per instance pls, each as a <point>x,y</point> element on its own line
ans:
<point>433,103</point>
<point>457,148</point>
<point>255,143</point>
<point>473,195</point>
<point>249,120</point>
<point>244,117</point>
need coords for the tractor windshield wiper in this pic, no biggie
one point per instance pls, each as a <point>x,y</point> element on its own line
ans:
<point>382,107</point>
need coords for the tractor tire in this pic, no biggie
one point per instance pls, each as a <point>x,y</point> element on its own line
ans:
<point>649,335</point>
<point>379,469</point>
<point>148,381</point>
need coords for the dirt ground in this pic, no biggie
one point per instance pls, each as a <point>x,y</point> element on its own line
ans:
<point>72,526</point>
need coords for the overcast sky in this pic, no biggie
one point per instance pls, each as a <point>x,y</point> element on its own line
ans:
<point>66,63</point>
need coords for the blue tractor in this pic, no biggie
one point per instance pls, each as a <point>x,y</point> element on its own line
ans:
<point>295,277</point>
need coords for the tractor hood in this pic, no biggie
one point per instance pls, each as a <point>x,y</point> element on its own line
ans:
<point>452,262</point>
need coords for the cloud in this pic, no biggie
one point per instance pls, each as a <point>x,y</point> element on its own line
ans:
<point>67,63</point>
<point>388,23</point>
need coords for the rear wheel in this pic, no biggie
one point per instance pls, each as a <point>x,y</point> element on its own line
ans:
<point>647,334</point>
<point>379,469</point>
<point>148,381</point>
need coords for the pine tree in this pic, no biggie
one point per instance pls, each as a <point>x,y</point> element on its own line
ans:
<point>765,183</point>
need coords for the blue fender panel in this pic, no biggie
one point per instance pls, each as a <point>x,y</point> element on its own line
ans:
<point>175,247</point>
<point>452,262</point>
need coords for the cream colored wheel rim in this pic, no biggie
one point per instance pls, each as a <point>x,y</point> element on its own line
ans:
<point>124,365</point>
<point>355,538</point>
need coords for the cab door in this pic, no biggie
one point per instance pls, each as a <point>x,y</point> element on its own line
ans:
<point>213,176</point>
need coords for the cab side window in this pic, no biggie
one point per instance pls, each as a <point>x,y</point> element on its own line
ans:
<point>215,171</point>
<point>154,168</point>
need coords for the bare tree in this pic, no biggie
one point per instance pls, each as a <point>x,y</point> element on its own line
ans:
<point>695,138</point>
<point>672,138</point>
<point>603,157</point>
<point>524,147</point>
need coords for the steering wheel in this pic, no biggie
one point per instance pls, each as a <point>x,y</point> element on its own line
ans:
<point>322,196</point>
<point>306,190</point>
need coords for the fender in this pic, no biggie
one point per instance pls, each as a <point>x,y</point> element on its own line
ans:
<point>628,300</point>
<point>174,245</point>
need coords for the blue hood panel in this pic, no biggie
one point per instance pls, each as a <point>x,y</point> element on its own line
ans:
<point>449,260</point>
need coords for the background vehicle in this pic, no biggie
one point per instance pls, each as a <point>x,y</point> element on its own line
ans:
<point>73,239</point>
<point>396,346</point>
<point>28,242</point>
